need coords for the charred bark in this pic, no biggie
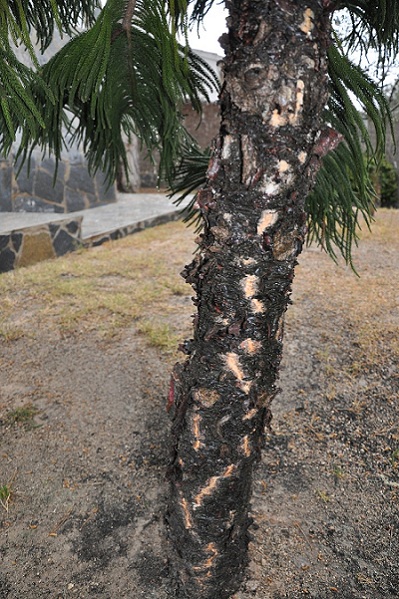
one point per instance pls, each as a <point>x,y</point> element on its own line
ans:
<point>262,169</point>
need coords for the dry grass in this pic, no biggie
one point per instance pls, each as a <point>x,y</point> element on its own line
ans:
<point>133,281</point>
<point>136,281</point>
<point>367,305</point>
<point>7,493</point>
<point>5,496</point>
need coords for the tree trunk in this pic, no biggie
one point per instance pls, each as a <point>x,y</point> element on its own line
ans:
<point>263,166</point>
<point>130,182</point>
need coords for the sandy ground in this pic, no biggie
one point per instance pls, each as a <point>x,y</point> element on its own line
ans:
<point>86,467</point>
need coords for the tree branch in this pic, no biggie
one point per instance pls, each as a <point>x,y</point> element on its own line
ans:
<point>127,19</point>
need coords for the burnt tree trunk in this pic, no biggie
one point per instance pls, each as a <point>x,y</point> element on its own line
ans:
<point>262,169</point>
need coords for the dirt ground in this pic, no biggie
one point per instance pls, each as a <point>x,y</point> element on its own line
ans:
<point>84,432</point>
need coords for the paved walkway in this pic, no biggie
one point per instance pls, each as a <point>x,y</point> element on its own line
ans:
<point>132,212</point>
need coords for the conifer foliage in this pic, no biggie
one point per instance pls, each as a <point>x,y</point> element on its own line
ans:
<point>124,72</point>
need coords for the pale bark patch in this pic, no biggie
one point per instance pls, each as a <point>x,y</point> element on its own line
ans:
<point>307,24</point>
<point>257,306</point>
<point>249,415</point>
<point>196,430</point>
<point>250,286</point>
<point>268,218</point>
<point>246,447</point>
<point>226,150</point>
<point>188,522</point>
<point>227,217</point>
<point>278,119</point>
<point>285,112</point>
<point>293,117</point>
<point>208,564</point>
<point>283,166</point>
<point>302,157</point>
<point>250,346</point>
<point>232,361</point>
<point>233,364</point>
<point>248,261</point>
<point>212,484</point>
<point>269,187</point>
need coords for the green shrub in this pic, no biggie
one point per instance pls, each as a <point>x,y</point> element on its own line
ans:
<point>389,185</point>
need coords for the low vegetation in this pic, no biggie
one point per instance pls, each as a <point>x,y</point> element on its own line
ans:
<point>134,282</point>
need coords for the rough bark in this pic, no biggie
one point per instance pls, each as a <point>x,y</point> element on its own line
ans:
<point>262,169</point>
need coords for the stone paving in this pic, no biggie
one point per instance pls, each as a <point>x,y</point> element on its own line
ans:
<point>27,238</point>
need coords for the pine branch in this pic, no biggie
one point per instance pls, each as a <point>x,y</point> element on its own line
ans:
<point>133,82</point>
<point>128,16</point>
<point>375,25</point>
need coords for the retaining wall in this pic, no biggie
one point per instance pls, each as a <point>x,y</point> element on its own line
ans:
<point>27,246</point>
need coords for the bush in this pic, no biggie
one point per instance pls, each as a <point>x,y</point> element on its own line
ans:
<point>388,185</point>
<point>385,184</point>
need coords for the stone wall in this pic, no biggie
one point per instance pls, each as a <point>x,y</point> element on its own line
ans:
<point>27,246</point>
<point>203,127</point>
<point>36,191</point>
